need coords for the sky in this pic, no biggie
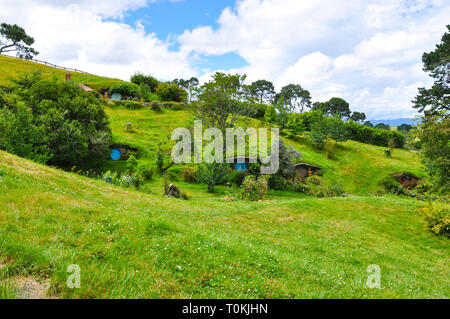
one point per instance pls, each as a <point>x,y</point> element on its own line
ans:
<point>365,51</point>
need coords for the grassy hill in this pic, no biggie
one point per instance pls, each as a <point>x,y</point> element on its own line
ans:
<point>131,244</point>
<point>12,68</point>
<point>357,166</point>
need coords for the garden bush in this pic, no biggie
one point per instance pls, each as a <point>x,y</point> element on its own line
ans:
<point>156,106</point>
<point>53,122</point>
<point>276,182</point>
<point>175,106</point>
<point>437,217</point>
<point>174,173</point>
<point>171,92</point>
<point>361,133</point>
<point>254,188</point>
<point>148,80</point>
<point>237,178</point>
<point>125,89</point>
<point>189,174</point>
<point>145,172</point>
<point>390,185</point>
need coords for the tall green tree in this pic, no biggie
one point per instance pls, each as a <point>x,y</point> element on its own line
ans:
<point>221,101</point>
<point>358,117</point>
<point>434,133</point>
<point>295,98</point>
<point>437,64</point>
<point>140,78</point>
<point>14,39</point>
<point>335,106</point>
<point>263,91</point>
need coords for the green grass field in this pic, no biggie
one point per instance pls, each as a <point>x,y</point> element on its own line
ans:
<point>136,245</point>
<point>132,244</point>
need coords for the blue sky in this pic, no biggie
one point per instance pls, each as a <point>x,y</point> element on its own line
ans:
<point>173,17</point>
<point>365,51</point>
<point>168,18</point>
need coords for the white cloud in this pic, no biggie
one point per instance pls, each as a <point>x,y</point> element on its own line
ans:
<point>359,50</point>
<point>77,35</point>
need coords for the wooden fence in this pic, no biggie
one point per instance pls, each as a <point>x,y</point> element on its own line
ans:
<point>47,64</point>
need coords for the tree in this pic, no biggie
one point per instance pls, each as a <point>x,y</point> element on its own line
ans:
<point>14,39</point>
<point>140,78</point>
<point>221,101</point>
<point>328,127</point>
<point>263,91</point>
<point>213,174</point>
<point>437,64</point>
<point>368,124</point>
<point>53,122</point>
<point>435,103</point>
<point>383,126</point>
<point>358,116</point>
<point>405,128</point>
<point>193,86</point>
<point>171,92</point>
<point>295,98</point>
<point>434,135</point>
<point>334,106</point>
<point>337,129</point>
<point>189,85</point>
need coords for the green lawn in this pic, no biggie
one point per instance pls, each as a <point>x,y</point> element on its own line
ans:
<point>136,245</point>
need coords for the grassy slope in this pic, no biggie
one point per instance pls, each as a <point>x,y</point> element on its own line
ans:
<point>131,244</point>
<point>12,68</point>
<point>357,166</point>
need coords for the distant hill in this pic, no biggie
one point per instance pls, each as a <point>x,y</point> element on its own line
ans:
<point>395,122</point>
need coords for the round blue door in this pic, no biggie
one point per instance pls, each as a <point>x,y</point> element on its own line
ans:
<point>115,154</point>
<point>241,167</point>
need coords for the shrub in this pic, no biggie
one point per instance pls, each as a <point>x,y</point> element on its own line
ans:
<point>145,172</point>
<point>185,195</point>
<point>173,173</point>
<point>390,185</point>
<point>336,189</point>
<point>437,218</point>
<point>276,182</point>
<point>53,122</point>
<point>315,180</point>
<point>362,133</point>
<point>126,180</point>
<point>189,174</point>
<point>148,80</point>
<point>156,106</point>
<point>125,89</point>
<point>424,186</point>
<point>171,92</point>
<point>176,106</point>
<point>130,180</point>
<point>253,188</point>
<point>237,178</point>
<point>131,105</point>
<point>213,174</point>
<point>132,164</point>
